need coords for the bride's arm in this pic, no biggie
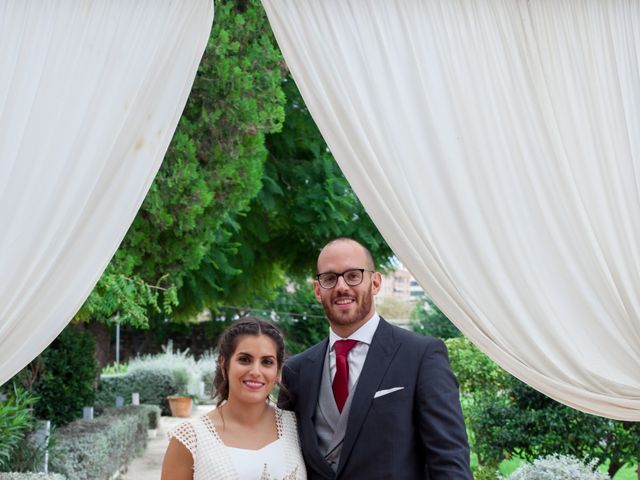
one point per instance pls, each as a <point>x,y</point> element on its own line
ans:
<point>178,462</point>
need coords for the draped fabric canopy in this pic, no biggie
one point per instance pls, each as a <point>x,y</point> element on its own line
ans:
<point>496,146</point>
<point>90,96</point>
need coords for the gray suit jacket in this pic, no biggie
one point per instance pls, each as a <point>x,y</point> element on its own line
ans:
<point>415,432</point>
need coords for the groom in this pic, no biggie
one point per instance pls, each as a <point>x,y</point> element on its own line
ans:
<point>372,400</point>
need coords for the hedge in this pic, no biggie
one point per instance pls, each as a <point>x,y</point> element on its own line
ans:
<point>149,416</point>
<point>96,449</point>
<point>154,387</point>
<point>31,476</point>
<point>66,383</point>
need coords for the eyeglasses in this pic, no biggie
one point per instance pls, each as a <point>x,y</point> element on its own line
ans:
<point>352,277</point>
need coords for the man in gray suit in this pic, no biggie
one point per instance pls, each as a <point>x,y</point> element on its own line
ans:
<point>372,400</point>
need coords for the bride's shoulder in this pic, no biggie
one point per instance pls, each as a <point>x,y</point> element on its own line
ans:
<point>285,417</point>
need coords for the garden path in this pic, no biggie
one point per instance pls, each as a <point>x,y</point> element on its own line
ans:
<point>149,465</point>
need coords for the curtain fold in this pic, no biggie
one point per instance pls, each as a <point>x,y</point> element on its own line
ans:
<point>495,145</point>
<point>90,96</point>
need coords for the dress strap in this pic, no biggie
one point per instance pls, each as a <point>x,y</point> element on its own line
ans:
<point>279,425</point>
<point>291,443</point>
<point>210,427</point>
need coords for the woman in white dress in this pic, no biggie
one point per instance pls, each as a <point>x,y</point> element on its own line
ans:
<point>245,437</point>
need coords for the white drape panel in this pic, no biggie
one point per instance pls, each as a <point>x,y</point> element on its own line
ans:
<point>90,95</point>
<point>495,144</point>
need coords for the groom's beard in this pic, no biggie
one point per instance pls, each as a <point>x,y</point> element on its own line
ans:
<point>363,300</point>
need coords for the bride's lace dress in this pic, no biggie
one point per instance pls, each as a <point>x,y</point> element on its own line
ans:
<point>212,459</point>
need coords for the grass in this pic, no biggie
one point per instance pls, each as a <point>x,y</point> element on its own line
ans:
<point>628,472</point>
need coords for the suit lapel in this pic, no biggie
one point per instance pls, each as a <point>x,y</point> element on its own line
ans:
<point>383,347</point>
<point>308,391</point>
<point>311,372</point>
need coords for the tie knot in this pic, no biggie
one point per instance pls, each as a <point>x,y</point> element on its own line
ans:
<point>343,347</point>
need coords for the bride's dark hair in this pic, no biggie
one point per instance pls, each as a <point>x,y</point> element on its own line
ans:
<point>228,343</point>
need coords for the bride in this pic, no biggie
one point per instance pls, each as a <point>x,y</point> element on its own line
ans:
<point>245,437</point>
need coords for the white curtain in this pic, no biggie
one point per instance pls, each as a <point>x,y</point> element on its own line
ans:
<point>496,145</point>
<point>90,95</point>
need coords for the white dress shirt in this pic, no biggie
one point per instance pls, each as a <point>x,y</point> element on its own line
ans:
<point>358,353</point>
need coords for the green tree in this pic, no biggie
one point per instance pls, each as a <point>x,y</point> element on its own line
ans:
<point>238,206</point>
<point>304,202</point>
<point>428,319</point>
<point>525,423</point>
<point>477,374</point>
<point>212,170</point>
<point>480,380</point>
<point>62,376</point>
<point>507,418</point>
<point>391,307</point>
<point>299,315</point>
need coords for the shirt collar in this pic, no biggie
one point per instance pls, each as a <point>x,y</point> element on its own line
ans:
<point>364,334</point>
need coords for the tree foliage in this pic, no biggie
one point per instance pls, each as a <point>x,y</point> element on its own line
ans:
<point>477,374</point>
<point>428,319</point>
<point>507,418</point>
<point>304,202</point>
<point>299,315</point>
<point>212,170</point>
<point>525,423</point>
<point>237,206</point>
<point>62,376</point>
<point>481,380</point>
<point>391,307</point>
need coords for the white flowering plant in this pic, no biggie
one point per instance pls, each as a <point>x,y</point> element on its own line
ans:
<point>558,467</point>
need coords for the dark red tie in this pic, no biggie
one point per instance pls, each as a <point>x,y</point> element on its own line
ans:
<point>341,380</point>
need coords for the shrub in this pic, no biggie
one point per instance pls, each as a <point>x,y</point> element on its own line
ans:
<point>148,416</point>
<point>180,364</point>
<point>112,369</point>
<point>428,319</point>
<point>96,449</point>
<point>299,316</point>
<point>525,423</point>
<point>558,467</point>
<point>154,377</point>
<point>181,377</point>
<point>485,472</point>
<point>31,454</point>
<point>493,431</point>
<point>63,376</point>
<point>31,476</point>
<point>16,421</point>
<point>153,386</point>
<point>154,417</point>
<point>207,364</point>
<point>476,373</point>
<point>480,378</point>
